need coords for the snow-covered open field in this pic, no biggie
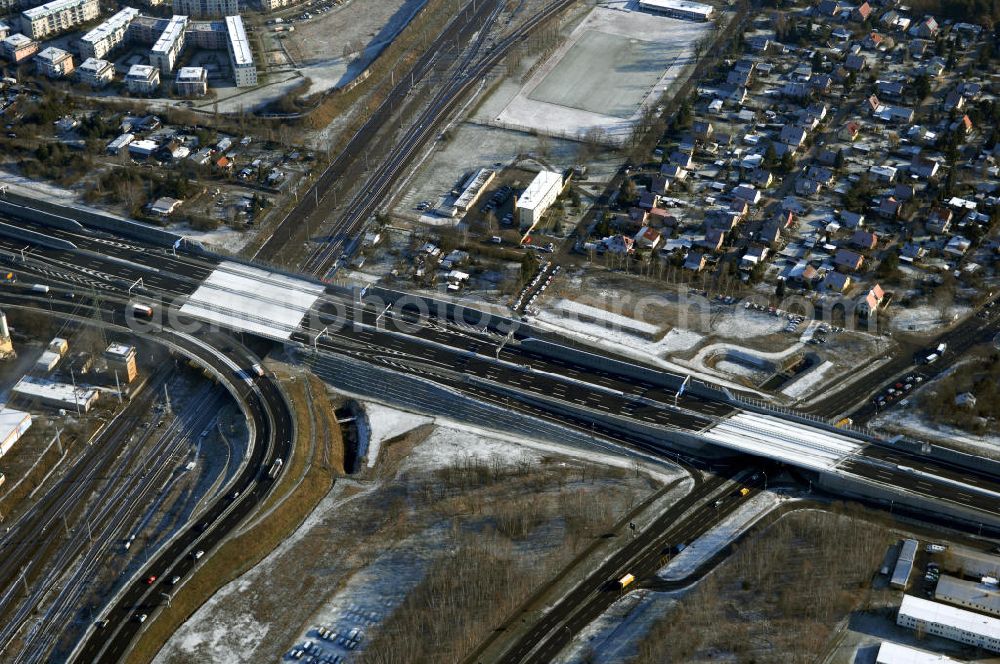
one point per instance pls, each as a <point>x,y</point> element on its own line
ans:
<point>355,558</point>
<point>613,65</point>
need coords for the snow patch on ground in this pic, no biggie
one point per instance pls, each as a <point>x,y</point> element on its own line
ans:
<point>807,381</point>
<point>914,423</point>
<point>373,593</point>
<point>926,317</point>
<point>738,323</point>
<point>735,524</point>
<point>616,634</point>
<point>387,423</point>
<point>572,308</point>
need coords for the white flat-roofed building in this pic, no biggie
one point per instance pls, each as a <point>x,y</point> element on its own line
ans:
<point>207,8</point>
<point>4,30</point>
<point>981,596</point>
<point>691,11</point>
<point>949,622</point>
<point>537,198</point>
<point>18,47</point>
<point>972,562</point>
<point>168,47</point>
<point>47,361</point>
<point>13,424</point>
<point>472,189</point>
<point>142,79</point>
<point>58,16</point>
<point>144,147</point>
<point>55,395</point>
<point>904,564</point>
<point>95,72</point>
<point>54,63</point>
<point>108,35</point>
<point>116,146</point>
<point>894,653</point>
<point>240,55</point>
<point>192,81</point>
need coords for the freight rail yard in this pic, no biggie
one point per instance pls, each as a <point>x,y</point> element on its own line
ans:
<point>541,331</point>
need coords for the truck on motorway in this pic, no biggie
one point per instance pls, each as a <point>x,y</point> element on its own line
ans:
<point>141,311</point>
<point>941,348</point>
<point>39,288</point>
<point>257,369</point>
<point>844,423</point>
<point>275,468</point>
<point>932,358</point>
<point>625,581</point>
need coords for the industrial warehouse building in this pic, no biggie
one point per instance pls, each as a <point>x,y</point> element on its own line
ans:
<point>54,63</point>
<point>472,188</point>
<point>58,16</point>
<point>904,564</point>
<point>108,35</point>
<point>13,424</point>
<point>981,595</point>
<point>536,199</point>
<point>690,11</point>
<point>894,653</point>
<point>55,395</point>
<point>948,622</point>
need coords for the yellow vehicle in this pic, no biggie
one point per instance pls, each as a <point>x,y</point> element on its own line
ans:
<point>625,581</point>
<point>846,422</point>
<point>744,492</point>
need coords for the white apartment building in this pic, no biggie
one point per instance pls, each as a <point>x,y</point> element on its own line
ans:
<point>108,35</point>
<point>95,72</point>
<point>168,47</point>
<point>240,55</point>
<point>949,622</point>
<point>54,63</point>
<point>58,16</point>
<point>192,81</point>
<point>142,79</point>
<point>536,199</point>
<point>207,8</point>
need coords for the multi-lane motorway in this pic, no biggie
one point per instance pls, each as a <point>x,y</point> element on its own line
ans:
<point>462,357</point>
<point>478,361</point>
<point>270,421</point>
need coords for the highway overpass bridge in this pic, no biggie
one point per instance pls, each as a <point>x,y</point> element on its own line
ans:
<point>494,358</point>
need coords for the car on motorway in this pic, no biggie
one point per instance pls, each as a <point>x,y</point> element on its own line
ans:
<point>175,579</point>
<point>101,624</point>
<point>141,617</point>
<point>197,554</point>
<point>151,580</point>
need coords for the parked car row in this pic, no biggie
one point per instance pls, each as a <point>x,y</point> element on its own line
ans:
<point>311,652</point>
<point>897,390</point>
